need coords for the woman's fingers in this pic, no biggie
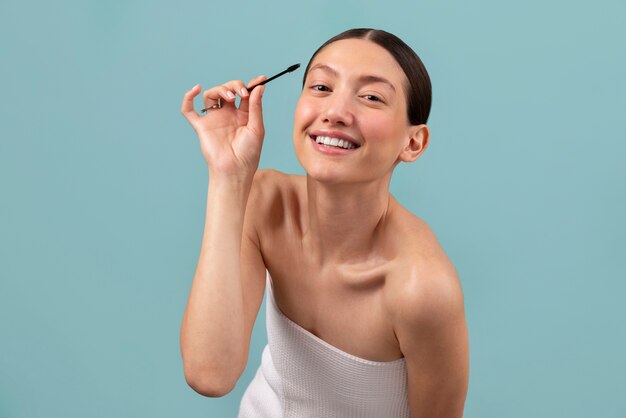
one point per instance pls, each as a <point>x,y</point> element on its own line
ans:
<point>187,107</point>
<point>225,94</point>
<point>256,80</point>
<point>217,96</point>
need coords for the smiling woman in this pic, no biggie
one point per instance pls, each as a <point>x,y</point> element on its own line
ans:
<point>365,313</point>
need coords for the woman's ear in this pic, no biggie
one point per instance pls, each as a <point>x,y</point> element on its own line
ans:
<point>418,141</point>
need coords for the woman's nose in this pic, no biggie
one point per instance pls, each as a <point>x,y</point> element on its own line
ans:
<point>338,110</point>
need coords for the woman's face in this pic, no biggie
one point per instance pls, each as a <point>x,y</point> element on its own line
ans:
<point>354,92</point>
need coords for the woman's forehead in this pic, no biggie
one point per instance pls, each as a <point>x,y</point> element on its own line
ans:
<point>361,58</point>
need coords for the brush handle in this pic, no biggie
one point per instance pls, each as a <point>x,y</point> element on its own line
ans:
<point>288,70</point>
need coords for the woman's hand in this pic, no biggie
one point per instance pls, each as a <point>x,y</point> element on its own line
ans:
<point>230,138</point>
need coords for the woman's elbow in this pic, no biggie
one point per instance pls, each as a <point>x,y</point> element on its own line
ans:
<point>209,384</point>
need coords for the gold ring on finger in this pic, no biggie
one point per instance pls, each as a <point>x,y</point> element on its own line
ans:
<point>215,106</point>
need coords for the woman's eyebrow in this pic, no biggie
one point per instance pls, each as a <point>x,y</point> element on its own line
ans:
<point>376,79</point>
<point>364,78</point>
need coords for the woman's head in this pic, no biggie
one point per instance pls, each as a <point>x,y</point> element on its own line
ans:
<point>354,121</point>
<point>418,89</point>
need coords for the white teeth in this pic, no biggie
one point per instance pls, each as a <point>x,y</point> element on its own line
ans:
<point>334,142</point>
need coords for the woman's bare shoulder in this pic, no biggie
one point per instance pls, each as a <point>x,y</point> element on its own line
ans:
<point>423,268</point>
<point>417,242</point>
<point>269,184</point>
<point>271,191</point>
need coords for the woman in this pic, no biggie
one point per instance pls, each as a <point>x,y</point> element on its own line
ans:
<point>365,312</point>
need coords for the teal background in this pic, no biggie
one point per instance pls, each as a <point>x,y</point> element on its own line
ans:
<point>103,191</point>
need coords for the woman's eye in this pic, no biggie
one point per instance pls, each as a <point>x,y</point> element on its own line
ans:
<point>320,87</point>
<point>372,98</point>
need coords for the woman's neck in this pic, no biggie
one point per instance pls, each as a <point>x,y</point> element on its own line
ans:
<point>345,221</point>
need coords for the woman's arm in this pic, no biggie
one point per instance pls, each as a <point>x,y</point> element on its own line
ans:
<point>432,332</point>
<point>228,285</point>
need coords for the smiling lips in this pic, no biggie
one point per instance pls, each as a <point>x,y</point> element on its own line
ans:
<point>336,140</point>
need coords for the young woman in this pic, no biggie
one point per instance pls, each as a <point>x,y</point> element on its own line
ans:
<point>365,312</point>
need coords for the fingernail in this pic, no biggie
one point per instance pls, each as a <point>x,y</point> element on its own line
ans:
<point>230,95</point>
<point>244,91</point>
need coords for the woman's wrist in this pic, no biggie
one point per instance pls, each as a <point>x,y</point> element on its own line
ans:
<point>236,185</point>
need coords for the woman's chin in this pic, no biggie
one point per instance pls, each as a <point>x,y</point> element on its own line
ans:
<point>329,176</point>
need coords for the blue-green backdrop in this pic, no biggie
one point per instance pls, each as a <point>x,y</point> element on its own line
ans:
<point>103,189</point>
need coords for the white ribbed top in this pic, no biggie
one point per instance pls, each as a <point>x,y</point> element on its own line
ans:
<point>303,376</point>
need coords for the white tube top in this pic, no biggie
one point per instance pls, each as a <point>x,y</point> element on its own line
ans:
<point>303,376</point>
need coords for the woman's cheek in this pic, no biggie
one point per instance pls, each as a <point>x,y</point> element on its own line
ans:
<point>305,111</point>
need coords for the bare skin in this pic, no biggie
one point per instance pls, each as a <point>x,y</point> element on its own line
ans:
<point>347,261</point>
<point>348,301</point>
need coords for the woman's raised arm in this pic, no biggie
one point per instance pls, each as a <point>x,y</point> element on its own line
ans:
<point>229,282</point>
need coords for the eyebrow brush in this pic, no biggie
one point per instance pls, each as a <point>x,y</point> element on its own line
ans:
<point>288,70</point>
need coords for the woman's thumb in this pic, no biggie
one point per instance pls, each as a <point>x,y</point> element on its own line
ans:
<point>255,111</point>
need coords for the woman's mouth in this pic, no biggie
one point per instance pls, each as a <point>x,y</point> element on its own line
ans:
<point>330,142</point>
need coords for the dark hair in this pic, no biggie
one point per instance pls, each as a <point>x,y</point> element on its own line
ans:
<point>418,92</point>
